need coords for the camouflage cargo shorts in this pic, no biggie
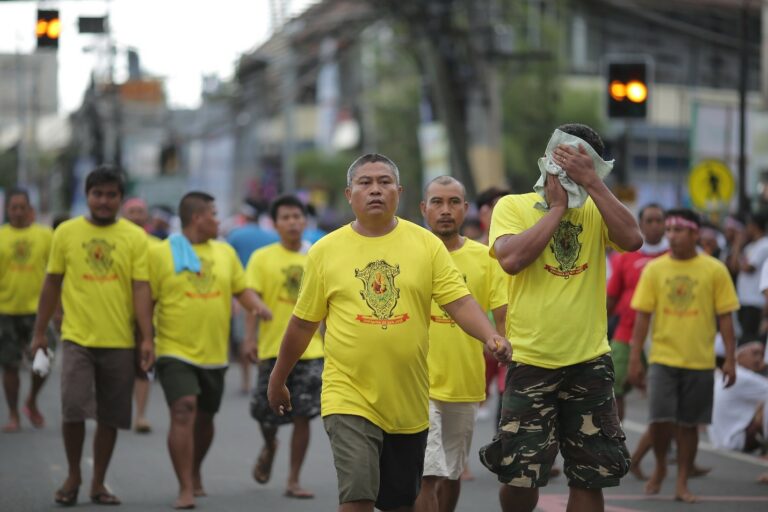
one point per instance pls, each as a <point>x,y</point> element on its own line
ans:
<point>572,407</point>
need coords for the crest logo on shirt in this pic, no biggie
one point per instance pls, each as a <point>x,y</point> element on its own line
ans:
<point>445,318</point>
<point>21,251</point>
<point>203,281</point>
<point>380,293</point>
<point>680,292</point>
<point>99,256</point>
<point>292,283</point>
<point>566,247</point>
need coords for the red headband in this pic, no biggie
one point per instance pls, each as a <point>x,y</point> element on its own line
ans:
<point>682,222</point>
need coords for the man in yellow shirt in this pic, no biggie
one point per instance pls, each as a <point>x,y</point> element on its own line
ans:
<point>456,362</point>
<point>193,278</point>
<point>275,272</point>
<point>24,248</point>
<point>559,385</point>
<point>98,266</point>
<point>373,282</point>
<point>685,292</point>
<point>135,210</point>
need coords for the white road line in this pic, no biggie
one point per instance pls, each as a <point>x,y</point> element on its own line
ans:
<point>639,428</point>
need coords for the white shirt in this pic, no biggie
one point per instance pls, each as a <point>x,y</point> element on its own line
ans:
<point>735,407</point>
<point>748,284</point>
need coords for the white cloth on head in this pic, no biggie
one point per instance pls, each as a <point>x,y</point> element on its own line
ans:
<point>577,196</point>
<point>734,407</point>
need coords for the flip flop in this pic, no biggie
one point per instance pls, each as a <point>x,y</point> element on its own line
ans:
<point>105,498</point>
<point>35,419</point>
<point>301,495</point>
<point>66,498</point>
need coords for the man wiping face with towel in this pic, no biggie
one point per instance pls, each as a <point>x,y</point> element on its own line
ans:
<point>552,242</point>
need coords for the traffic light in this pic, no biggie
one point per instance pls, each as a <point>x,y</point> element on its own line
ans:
<point>627,90</point>
<point>48,28</point>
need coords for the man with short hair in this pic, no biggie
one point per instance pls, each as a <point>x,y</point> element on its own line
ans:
<point>373,281</point>
<point>750,252</point>
<point>559,387</point>
<point>684,291</point>
<point>194,278</point>
<point>24,248</point>
<point>274,272</point>
<point>98,266</point>
<point>456,362</point>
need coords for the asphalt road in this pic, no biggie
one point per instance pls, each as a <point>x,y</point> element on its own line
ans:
<point>32,466</point>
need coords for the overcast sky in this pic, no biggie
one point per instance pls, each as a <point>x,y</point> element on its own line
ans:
<point>176,39</point>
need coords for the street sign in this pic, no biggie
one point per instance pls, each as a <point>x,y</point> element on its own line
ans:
<point>711,185</point>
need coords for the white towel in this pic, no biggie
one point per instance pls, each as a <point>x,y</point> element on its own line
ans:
<point>577,196</point>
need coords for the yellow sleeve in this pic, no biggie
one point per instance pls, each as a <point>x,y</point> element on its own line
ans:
<point>253,277</point>
<point>312,304</point>
<point>140,268</point>
<point>56,260</point>
<point>644,298</point>
<point>506,220</point>
<point>238,276</point>
<point>447,283</point>
<point>726,299</point>
<point>498,285</point>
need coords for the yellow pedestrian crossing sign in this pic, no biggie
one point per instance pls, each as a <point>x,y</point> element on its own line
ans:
<point>711,185</point>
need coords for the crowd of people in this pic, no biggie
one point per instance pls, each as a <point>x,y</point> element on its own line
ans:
<point>393,332</point>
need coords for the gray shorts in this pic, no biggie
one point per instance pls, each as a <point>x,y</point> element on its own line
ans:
<point>97,383</point>
<point>15,336</point>
<point>680,395</point>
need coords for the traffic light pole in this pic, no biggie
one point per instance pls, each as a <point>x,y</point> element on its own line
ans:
<point>743,62</point>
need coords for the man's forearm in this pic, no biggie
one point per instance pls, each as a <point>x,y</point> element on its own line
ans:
<point>470,317</point>
<point>297,336</point>
<point>516,252</point>
<point>639,333</point>
<point>725,324</point>
<point>49,299</point>
<point>142,306</point>
<point>500,319</point>
<point>622,226</point>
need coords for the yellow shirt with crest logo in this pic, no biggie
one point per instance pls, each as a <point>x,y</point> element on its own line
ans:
<point>375,294</point>
<point>456,362</point>
<point>23,258</point>
<point>193,309</point>
<point>556,313</point>
<point>275,273</point>
<point>685,297</point>
<point>99,264</point>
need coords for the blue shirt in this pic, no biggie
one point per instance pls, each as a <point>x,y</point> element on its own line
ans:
<point>248,238</point>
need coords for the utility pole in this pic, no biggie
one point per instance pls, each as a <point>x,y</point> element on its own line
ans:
<point>743,64</point>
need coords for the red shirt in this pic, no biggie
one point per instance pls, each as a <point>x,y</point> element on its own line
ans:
<point>625,274</point>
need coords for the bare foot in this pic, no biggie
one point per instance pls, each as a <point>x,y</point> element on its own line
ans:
<point>296,491</point>
<point>637,472</point>
<point>684,495</point>
<point>697,471</point>
<point>262,470</point>
<point>197,486</point>
<point>185,501</point>
<point>13,425</point>
<point>653,485</point>
<point>763,479</point>
<point>33,415</point>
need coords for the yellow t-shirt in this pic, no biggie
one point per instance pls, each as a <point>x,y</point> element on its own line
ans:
<point>556,312</point>
<point>99,264</point>
<point>375,294</point>
<point>192,310</point>
<point>23,258</point>
<point>456,362</point>
<point>684,296</point>
<point>275,273</point>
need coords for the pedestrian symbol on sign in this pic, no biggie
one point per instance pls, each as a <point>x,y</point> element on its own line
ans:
<point>711,185</point>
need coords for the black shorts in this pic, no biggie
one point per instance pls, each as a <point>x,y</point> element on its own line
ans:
<point>372,465</point>
<point>304,382</point>
<point>680,395</point>
<point>179,379</point>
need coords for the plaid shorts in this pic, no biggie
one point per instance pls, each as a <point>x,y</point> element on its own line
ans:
<point>574,406</point>
<point>304,383</point>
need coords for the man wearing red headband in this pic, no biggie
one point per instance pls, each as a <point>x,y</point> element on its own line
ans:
<point>684,291</point>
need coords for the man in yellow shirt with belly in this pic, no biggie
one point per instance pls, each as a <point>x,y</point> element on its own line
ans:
<point>193,279</point>
<point>24,248</point>
<point>685,292</point>
<point>275,273</point>
<point>98,266</point>
<point>559,387</point>
<point>456,362</point>
<point>373,282</point>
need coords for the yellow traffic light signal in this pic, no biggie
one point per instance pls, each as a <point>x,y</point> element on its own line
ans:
<point>627,90</point>
<point>48,28</point>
